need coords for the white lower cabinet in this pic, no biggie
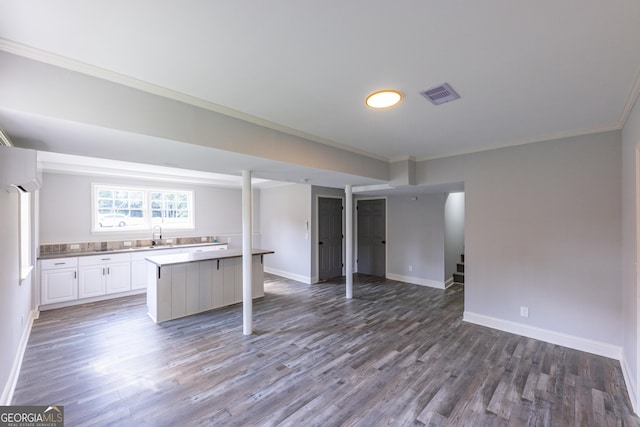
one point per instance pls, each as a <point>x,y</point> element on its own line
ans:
<point>77,278</point>
<point>104,274</point>
<point>91,283</point>
<point>59,280</point>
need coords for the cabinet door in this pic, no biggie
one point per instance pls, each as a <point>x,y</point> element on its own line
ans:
<point>59,285</point>
<point>118,277</point>
<point>238,265</point>
<point>205,281</point>
<point>192,288</point>
<point>139,274</point>
<point>258,276</point>
<point>217,284</point>
<point>92,281</point>
<point>228,266</point>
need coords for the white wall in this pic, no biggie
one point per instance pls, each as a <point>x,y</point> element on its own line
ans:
<point>15,297</point>
<point>65,210</point>
<point>454,232</point>
<point>630,195</point>
<point>284,212</point>
<point>415,237</point>
<point>543,230</point>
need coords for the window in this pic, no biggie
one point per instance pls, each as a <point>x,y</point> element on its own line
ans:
<point>128,208</point>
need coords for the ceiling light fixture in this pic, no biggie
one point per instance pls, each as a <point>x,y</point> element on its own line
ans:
<point>384,99</point>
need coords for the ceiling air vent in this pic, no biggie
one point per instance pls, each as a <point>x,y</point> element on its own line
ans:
<point>440,94</point>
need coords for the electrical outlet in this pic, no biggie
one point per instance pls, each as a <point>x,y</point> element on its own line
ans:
<point>74,246</point>
<point>228,239</point>
<point>203,239</point>
<point>169,241</point>
<point>126,243</point>
<point>411,268</point>
<point>524,311</point>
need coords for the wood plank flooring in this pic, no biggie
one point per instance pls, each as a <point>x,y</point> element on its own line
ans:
<point>394,355</point>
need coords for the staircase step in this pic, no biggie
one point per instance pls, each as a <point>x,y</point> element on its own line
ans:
<point>458,277</point>
<point>460,267</point>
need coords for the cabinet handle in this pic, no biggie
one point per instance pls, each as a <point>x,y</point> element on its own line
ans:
<point>159,268</point>
<point>105,259</point>
<point>103,271</point>
<point>108,270</point>
<point>218,268</point>
<point>261,259</point>
<point>59,263</point>
<point>75,274</point>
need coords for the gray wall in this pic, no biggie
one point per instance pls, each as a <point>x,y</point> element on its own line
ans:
<point>15,297</point>
<point>65,207</point>
<point>454,232</point>
<point>415,237</point>
<point>630,146</point>
<point>284,212</point>
<point>543,230</point>
<point>37,88</point>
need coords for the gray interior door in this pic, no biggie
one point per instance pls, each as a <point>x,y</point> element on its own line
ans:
<point>371,237</point>
<point>329,238</point>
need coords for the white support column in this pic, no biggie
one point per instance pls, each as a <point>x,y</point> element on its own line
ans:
<point>349,241</point>
<point>247,273</point>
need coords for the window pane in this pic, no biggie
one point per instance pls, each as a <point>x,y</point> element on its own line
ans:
<point>120,208</point>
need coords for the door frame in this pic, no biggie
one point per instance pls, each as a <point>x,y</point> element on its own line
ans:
<point>316,234</point>
<point>636,404</point>
<point>386,231</point>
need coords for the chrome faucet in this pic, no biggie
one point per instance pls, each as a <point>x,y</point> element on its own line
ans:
<point>153,234</point>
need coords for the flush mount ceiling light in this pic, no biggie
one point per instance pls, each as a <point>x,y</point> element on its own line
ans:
<point>384,99</point>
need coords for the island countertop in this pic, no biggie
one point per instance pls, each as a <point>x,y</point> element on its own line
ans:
<point>164,260</point>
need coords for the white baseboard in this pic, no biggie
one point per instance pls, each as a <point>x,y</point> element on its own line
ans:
<point>449,282</point>
<point>571,341</point>
<point>416,281</point>
<point>288,275</point>
<point>45,307</point>
<point>10,386</point>
<point>630,383</point>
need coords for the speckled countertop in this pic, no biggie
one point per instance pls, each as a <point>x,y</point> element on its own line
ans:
<point>158,249</point>
<point>166,260</point>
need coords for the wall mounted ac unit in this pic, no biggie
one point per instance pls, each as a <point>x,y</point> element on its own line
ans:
<point>19,169</point>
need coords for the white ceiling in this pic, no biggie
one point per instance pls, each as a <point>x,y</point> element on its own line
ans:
<point>526,71</point>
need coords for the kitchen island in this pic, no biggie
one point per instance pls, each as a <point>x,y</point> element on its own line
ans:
<point>184,284</point>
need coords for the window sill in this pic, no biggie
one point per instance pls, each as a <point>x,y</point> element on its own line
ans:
<point>24,272</point>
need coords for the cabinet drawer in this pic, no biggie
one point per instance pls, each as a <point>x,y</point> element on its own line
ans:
<point>103,259</point>
<point>56,263</point>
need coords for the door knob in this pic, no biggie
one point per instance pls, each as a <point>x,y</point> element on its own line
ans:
<point>319,243</point>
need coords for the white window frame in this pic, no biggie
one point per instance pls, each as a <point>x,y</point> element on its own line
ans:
<point>25,235</point>
<point>148,223</point>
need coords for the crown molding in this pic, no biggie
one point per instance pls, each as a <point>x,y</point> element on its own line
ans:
<point>631,101</point>
<point>50,58</point>
<point>515,143</point>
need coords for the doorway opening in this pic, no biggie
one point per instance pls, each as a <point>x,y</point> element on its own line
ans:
<point>454,239</point>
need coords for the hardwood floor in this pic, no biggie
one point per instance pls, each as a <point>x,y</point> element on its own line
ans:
<point>396,354</point>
